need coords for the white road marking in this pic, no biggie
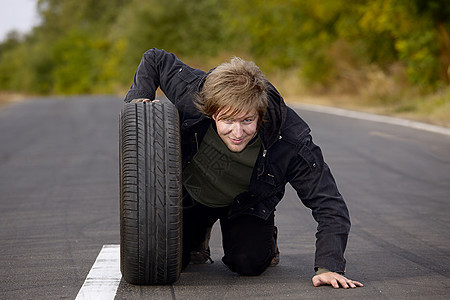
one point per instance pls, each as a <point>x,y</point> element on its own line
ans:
<point>373,117</point>
<point>104,277</point>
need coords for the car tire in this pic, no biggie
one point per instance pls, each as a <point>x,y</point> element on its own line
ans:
<point>150,193</point>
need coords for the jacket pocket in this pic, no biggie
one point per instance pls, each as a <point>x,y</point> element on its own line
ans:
<point>266,175</point>
<point>186,75</point>
<point>308,157</point>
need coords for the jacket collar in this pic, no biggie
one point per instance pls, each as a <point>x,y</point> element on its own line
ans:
<point>274,117</point>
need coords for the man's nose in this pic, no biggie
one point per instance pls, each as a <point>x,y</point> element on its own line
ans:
<point>237,130</point>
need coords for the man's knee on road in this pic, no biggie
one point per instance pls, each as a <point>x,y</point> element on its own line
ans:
<point>247,265</point>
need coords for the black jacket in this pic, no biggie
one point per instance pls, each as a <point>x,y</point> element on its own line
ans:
<point>288,154</point>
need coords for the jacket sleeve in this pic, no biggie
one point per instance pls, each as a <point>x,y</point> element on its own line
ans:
<point>317,189</point>
<point>159,68</point>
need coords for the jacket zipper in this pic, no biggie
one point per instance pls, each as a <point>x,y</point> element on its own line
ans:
<point>261,162</point>
<point>196,140</point>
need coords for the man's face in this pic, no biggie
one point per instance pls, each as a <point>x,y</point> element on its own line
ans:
<point>238,131</point>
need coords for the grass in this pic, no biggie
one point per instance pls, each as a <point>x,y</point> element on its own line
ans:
<point>11,97</point>
<point>381,96</point>
<point>434,109</point>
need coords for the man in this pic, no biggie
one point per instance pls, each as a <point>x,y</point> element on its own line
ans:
<point>240,146</point>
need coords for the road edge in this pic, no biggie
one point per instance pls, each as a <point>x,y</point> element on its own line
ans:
<point>372,117</point>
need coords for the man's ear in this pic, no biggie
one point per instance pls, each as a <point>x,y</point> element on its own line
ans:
<point>214,117</point>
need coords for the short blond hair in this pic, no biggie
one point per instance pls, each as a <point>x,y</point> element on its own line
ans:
<point>237,86</point>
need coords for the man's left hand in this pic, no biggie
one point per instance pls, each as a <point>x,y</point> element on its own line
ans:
<point>336,280</point>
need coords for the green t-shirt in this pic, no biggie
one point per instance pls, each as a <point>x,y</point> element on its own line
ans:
<point>216,175</point>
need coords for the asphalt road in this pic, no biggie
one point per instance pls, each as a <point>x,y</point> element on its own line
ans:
<point>59,205</point>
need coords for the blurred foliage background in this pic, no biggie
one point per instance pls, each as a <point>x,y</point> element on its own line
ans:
<point>392,56</point>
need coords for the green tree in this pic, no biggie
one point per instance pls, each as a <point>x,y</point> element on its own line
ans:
<point>85,46</point>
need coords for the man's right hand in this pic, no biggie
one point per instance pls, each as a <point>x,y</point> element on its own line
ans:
<point>146,100</point>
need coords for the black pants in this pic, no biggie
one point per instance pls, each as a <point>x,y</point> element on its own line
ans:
<point>248,241</point>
